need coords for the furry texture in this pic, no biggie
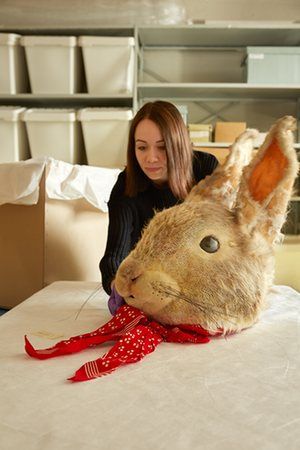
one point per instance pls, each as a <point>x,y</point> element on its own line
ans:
<point>241,207</point>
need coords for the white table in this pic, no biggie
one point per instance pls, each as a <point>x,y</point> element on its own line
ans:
<point>242,392</point>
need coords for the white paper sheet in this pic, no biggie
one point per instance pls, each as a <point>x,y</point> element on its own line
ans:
<point>239,392</point>
<point>19,182</point>
<point>65,181</point>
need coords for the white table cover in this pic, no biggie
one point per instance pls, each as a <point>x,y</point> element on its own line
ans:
<point>242,392</point>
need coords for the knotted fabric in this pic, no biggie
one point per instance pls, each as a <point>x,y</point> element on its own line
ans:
<point>136,335</point>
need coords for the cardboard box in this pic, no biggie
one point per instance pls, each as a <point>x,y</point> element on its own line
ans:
<point>200,132</point>
<point>53,240</point>
<point>228,131</point>
<point>22,250</point>
<point>269,65</point>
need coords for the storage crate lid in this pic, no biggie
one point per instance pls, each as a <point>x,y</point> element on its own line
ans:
<point>11,113</point>
<point>49,115</point>
<point>200,126</point>
<point>60,41</point>
<point>104,114</point>
<point>89,41</point>
<point>9,38</point>
<point>273,50</point>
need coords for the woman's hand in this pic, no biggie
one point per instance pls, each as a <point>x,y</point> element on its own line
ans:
<point>115,300</point>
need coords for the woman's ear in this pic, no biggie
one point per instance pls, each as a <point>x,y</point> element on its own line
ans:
<point>267,183</point>
<point>223,184</point>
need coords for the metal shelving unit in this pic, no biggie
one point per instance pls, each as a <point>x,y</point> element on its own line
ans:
<point>73,100</point>
<point>219,91</point>
<point>155,82</point>
<point>212,34</point>
<point>209,37</point>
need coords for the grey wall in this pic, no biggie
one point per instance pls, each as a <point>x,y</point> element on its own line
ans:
<point>112,12</point>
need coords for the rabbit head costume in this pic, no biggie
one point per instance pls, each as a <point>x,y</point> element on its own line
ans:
<point>202,268</point>
<point>210,260</point>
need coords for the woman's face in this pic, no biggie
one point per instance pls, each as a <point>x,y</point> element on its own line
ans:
<point>150,151</point>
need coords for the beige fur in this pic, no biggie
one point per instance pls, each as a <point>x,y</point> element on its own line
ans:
<point>172,279</point>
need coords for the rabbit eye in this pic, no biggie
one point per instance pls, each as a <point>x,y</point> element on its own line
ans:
<point>210,244</point>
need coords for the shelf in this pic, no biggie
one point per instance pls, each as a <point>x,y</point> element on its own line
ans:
<point>220,91</point>
<point>226,145</point>
<point>69,30</point>
<point>220,34</point>
<point>72,100</point>
<point>213,145</point>
<point>208,34</point>
<point>291,240</point>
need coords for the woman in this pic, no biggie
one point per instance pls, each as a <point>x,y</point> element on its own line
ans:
<point>161,170</point>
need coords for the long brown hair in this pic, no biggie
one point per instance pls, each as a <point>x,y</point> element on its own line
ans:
<point>178,147</point>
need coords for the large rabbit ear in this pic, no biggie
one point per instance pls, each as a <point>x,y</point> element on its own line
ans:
<point>267,183</point>
<point>222,185</point>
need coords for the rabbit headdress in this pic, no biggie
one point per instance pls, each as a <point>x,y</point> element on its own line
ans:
<point>203,267</point>
<point>209,260</point>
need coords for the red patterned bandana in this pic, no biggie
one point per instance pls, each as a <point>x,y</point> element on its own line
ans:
<point>136,335</point>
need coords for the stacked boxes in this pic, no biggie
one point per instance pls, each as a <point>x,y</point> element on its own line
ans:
<point>105,132</point>
<point>109,64</point>
<point>55,133</point>
<point>54,64</point>
<point>55,67</point>
<point>278,65</point>
<point>225,133</point>
<point>13,138</point>
<point>199,133</point>
<point>13,73</point>
<point>97,136</point>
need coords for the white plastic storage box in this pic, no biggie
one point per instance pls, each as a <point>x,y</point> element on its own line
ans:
<point>108,64</point>
<point>54,64</point>
<point>13,71</point>
<point>272,65</point>
<point>55,133</point>
<point>13,139</point>
<point>105,133</point>
<point>183,109</point>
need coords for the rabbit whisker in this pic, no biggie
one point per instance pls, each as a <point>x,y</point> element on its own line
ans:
<point>180,296</point>
<point>90,297</point>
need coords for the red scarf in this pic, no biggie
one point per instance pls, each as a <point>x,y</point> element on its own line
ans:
<point>136,335</point>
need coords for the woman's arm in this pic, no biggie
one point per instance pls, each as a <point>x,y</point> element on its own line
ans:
<point>119,240</point>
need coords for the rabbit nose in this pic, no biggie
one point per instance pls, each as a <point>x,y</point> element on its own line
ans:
<point>127,275</point>
<point>129,272</point>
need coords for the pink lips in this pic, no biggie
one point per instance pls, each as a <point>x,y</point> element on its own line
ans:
<point>152,169</point>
